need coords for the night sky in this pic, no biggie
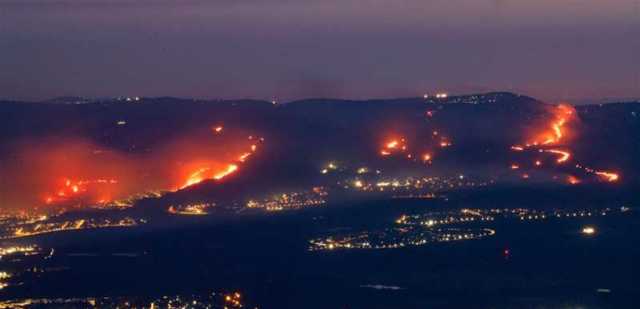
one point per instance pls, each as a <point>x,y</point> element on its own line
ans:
<point>291,49</point>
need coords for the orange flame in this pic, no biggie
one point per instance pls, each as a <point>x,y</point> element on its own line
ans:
<point>608,176</point>
<point>555,133</point>
<point>573,180</point>
<point>230,169</point>
<point>563,155</point>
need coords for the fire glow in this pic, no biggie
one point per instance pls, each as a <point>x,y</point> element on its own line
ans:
<point>392,146</point>
<point>206,173</point>
<point>71,172</point>
<point>71,189</point>
<point>608,176</point>
<point>554,133</point>
<point>209,173</point>
<point>563,155</point>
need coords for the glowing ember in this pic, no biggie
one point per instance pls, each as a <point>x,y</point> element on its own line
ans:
<point>608,176</point>
<point>573,180</point>
<point>563,155</point>
<point>244,156</point>
<point>393,146</point>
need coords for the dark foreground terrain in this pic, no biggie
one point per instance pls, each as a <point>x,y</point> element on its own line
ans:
<point>527,264</point>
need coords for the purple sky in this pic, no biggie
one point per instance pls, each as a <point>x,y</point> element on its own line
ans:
<point>290,49</point>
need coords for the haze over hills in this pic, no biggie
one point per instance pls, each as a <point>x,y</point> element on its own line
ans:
<point>157,144</point>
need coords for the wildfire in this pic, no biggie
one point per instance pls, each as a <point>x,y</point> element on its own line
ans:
<point>555,133</point>
<point>573,180</point>
<point>73,189</point>
<point>563,155</point>
<point>608,176</point>
<point>196,177</point>
<point>208,172</point>
<point>64,172</point>
<point>392,146</point>
<point>244,156</point>
<point>230,169</point>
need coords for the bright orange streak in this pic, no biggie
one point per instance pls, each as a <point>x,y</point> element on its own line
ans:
<point>426,157</point>
<point>392,144</point>
<point>515,166</point>
<point>564,155</point>
<point>244,156</point>
<point>230,169</point>
<point>517,148</point>
<point>217,129</point>
<point>610,177</point>
<point>195,177</point>
<point>556,133</point>
<point>200,175</point>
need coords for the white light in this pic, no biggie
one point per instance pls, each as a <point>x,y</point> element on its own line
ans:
<point>588,230</point>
